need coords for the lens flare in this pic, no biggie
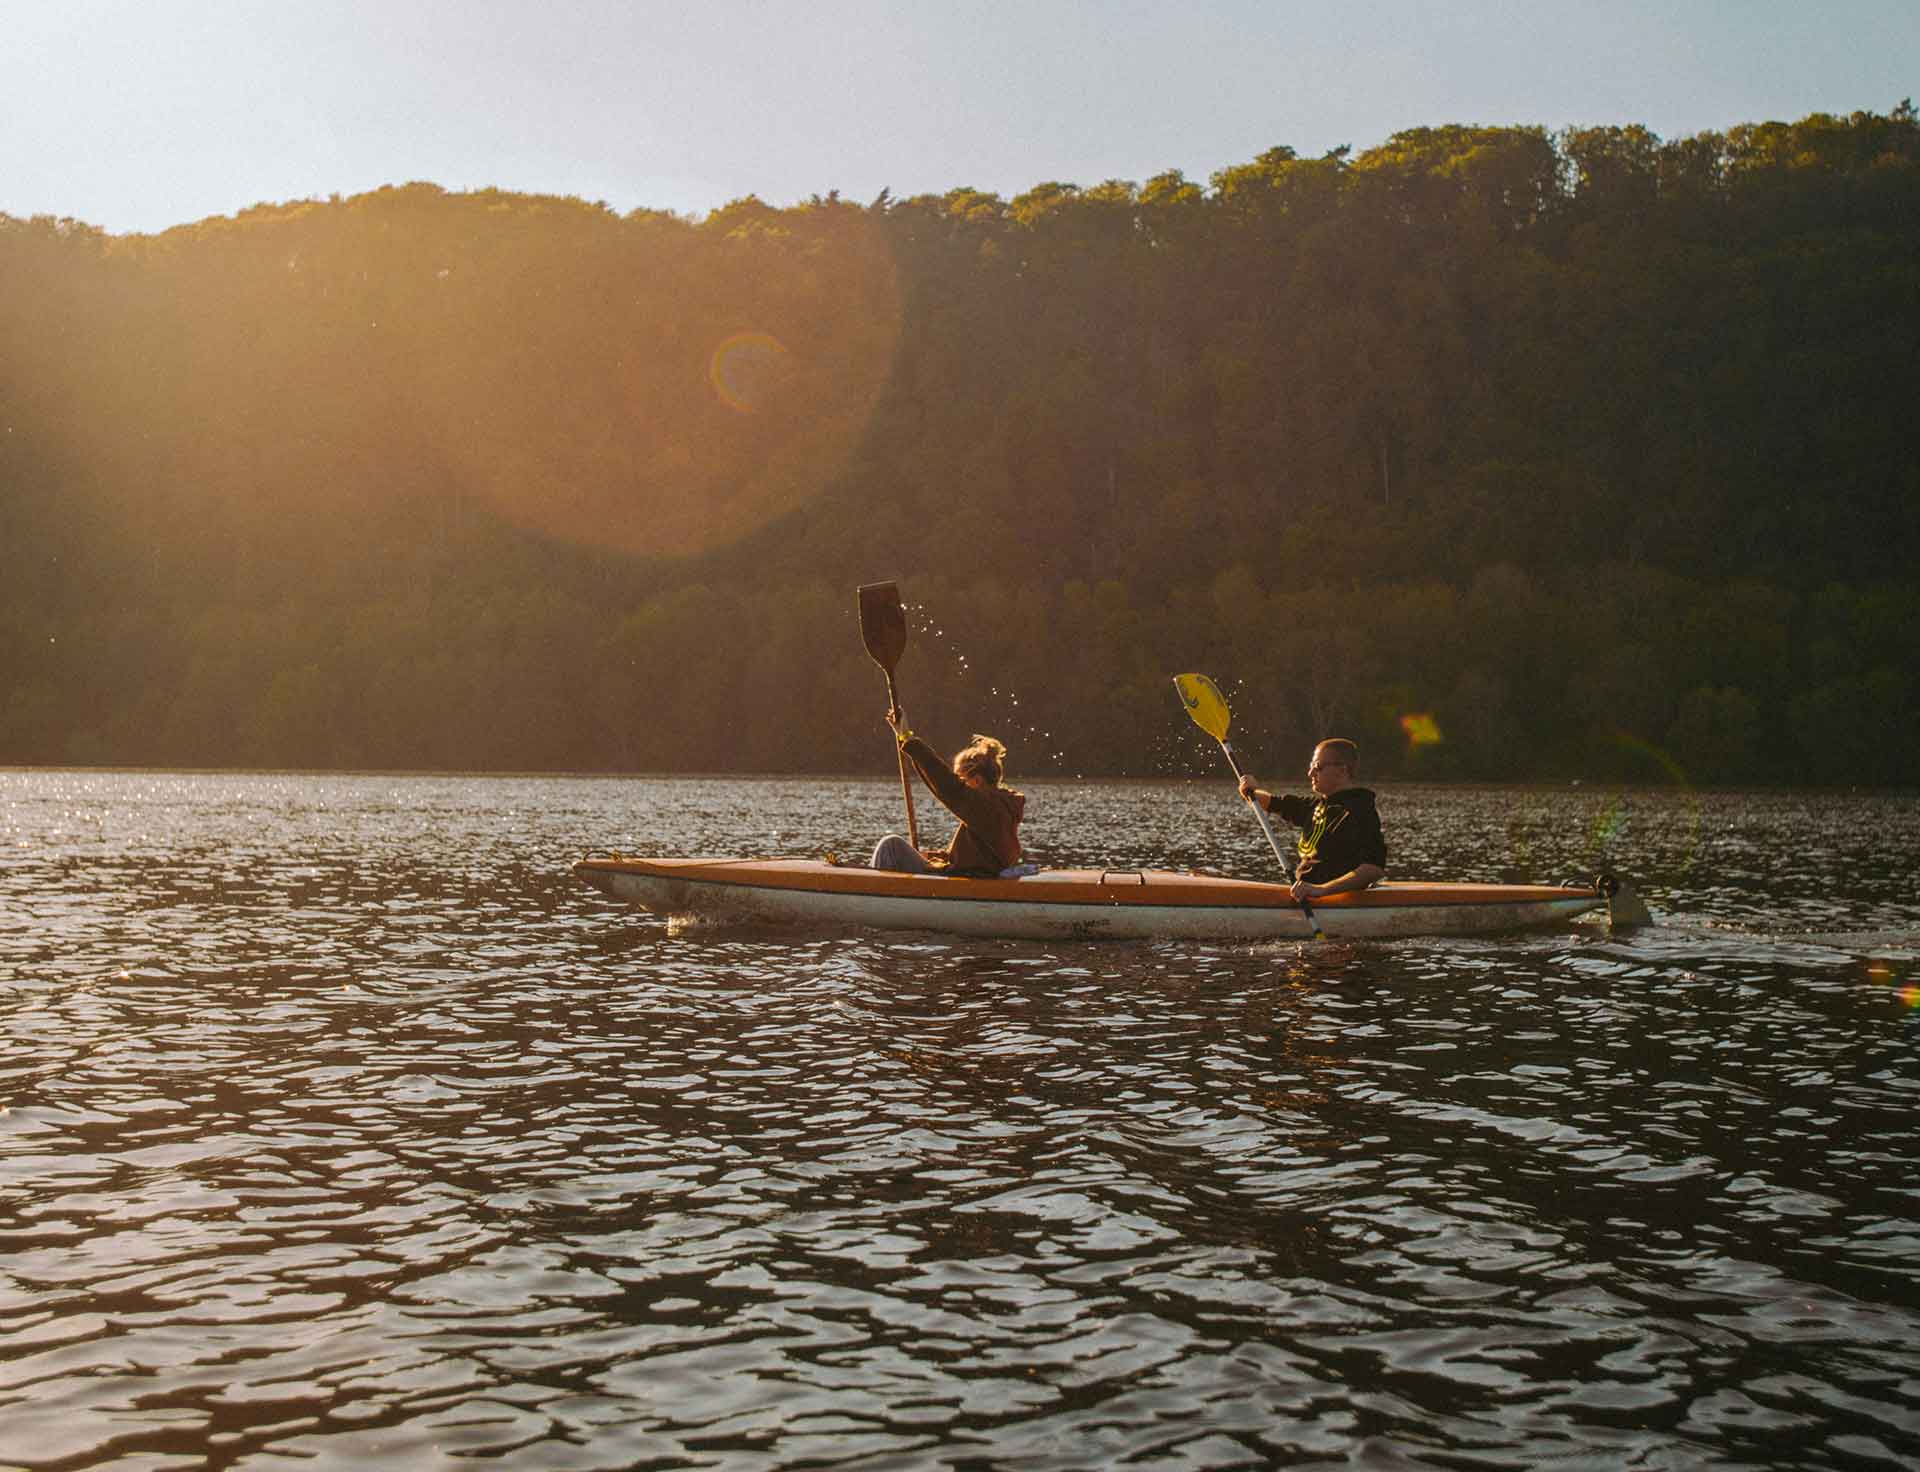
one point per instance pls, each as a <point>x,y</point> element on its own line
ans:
<point>1675,772</point>
<point>1607,822</point>
<point>1422,730</point>
<point>1690,800</point>
<point>744,368</point>
<point>676,411</point>
<point>1881,973</point>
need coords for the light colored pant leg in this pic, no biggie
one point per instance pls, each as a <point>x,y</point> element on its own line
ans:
<point>895,853</point>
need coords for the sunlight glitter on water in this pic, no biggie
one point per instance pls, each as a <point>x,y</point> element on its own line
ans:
<point>343,1126</point>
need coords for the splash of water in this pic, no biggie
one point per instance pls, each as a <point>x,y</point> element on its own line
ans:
<point>1035,737</point>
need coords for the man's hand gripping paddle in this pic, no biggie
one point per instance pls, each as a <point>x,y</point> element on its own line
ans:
<point>1208,707</point>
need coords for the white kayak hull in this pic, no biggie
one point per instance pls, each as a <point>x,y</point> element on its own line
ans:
<point>1069,904</point>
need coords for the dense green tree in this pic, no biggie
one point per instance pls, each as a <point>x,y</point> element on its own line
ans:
<point>1588,453</point>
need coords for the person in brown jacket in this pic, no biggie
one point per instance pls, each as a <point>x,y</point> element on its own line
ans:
<point>987,841</point>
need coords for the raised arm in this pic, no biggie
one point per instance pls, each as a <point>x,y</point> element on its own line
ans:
<point>954,794</point>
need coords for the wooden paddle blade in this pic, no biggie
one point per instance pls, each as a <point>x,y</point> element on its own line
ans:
<point>883,623</point>
<point>1205,704</point>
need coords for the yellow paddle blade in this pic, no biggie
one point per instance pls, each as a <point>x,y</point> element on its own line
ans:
<point>1205,704</point>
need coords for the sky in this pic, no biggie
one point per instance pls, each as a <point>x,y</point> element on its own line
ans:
<point>136,115</point>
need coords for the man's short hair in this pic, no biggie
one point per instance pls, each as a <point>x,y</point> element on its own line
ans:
<point>1343,751</point>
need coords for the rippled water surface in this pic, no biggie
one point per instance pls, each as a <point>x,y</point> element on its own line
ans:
<point>344,1128</point>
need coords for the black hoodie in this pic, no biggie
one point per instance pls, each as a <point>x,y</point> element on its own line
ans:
<point>1338,833</point>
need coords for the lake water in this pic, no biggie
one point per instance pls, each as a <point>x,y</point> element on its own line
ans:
<point>344,1128</point>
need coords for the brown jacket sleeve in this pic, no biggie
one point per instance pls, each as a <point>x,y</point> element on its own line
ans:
<point>958,798</point>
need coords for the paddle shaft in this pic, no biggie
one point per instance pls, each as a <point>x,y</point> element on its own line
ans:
<point>906,778</point>
<point>1267,828</point>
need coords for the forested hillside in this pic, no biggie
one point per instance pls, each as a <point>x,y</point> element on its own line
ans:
<point>1598,449</point>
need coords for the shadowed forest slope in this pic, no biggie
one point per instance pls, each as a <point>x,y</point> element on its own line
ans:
<point>1595,449</point>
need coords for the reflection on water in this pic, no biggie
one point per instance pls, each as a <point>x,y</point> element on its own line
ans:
<point>343,1127</point>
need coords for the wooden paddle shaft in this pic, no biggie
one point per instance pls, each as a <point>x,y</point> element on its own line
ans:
<point>906,777</point>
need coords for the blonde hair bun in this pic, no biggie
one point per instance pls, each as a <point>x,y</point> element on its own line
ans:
<point>985,755</point>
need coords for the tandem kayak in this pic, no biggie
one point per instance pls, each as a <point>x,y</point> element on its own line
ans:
<point>1072,904</point>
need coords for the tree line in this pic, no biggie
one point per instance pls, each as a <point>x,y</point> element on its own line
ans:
<point>1509,453</point>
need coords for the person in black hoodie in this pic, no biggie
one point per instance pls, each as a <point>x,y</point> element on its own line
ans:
<point>1341,845</point>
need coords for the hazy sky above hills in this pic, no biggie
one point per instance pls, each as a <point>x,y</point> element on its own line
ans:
<point>140,114</point>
